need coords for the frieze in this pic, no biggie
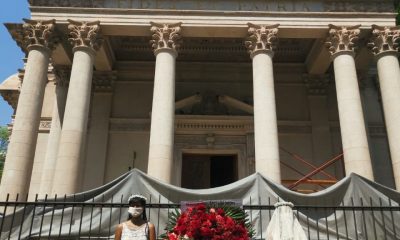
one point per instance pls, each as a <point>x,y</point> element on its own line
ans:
<point>203,140</point>
<point>44,125</point>
<point>200,126</point>
<point>232,5</point>
<point>212,126</point>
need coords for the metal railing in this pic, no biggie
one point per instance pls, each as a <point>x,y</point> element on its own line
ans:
<point>58,218</point>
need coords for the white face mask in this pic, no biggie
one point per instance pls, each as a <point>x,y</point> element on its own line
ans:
<point>135,211</point>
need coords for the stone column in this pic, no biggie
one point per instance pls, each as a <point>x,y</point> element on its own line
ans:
<point>321,136</point>
<point>384,45</point>
<point>261,44</point>
<point>38,38</point>
<point>165,43</point>
<point>62,77</point>
<point>97,143</point>
<point>85,39</point>
<point>357,158</point>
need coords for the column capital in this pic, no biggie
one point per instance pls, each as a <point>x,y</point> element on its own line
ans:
<point>342,39</point>
<point>165,37</point>
<point>103,81</point>
<point>316,84</point>
<point>85,35</point>
<point>11,97</point>
<point>384,40</point>
<point>62,75</point>
<point>35,33</point>
<point>262,38</point>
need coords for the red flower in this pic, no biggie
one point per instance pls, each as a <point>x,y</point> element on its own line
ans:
<point>200,223</point>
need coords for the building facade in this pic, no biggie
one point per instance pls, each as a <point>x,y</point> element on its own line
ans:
<point>202,93</point>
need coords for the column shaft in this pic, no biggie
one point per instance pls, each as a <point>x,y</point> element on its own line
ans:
<point>163,117</point>
<point>265,122</point>
<point>165,42</point>
<point>53,140</point>
<point>261,44</point>
<point>97,144</point>
<point>352,126</point>
<point>321,135</point>
<point>389,81</point>
<point>21,150</point>
<point>67,176</point>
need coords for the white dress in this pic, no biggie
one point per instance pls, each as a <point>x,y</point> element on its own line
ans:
<point>134,234</point>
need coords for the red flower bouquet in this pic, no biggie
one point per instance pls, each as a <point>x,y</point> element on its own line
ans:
<point>202,222</point>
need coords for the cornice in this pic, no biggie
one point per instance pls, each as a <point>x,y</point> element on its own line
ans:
<point>136,22</point>
<point>237,5</point>
<point>43,10</point>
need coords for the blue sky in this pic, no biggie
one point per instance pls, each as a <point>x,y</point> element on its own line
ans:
<point>10,55</point>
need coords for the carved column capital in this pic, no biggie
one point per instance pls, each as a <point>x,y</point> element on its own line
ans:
<point>11,97</point>
<point>384,40</point>
<point>342,39</point>
<point>103,81</point>
<point>316,84</point>
<point>261,39</point>
<point>62,75</point>
<point>85,34</point>
<point>165,37</point>
<point>36,34</point>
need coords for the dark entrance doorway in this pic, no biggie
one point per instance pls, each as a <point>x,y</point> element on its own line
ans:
<point>201,171</point>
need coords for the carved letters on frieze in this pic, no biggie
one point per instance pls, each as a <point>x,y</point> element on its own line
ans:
<point>165,36</point>
<point>384,39</point>
<point>342,38</point>
<point>85,34</point>
<point>233,5</point>
<point>261,38</point>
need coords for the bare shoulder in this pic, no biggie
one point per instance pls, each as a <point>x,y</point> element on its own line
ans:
<point>151,226</point>
<point>118,232</point>
<point>120,226</point>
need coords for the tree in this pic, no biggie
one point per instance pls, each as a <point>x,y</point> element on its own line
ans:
<point>3,146</point>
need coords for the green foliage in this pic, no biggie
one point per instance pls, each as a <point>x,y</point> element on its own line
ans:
<point>3,146</point>
<point>239,215</point>
<point>3,137</point>
<point>172,219</point>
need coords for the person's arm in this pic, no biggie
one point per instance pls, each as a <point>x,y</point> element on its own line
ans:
<point>118,232</point>
<point>152,232</point>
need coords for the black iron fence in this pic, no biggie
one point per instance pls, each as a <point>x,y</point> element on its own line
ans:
<point>60,218</point>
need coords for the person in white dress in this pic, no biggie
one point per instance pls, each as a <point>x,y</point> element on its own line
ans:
<point>136,227</point>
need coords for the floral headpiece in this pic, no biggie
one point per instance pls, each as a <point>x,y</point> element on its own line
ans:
<point>137,196</point>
